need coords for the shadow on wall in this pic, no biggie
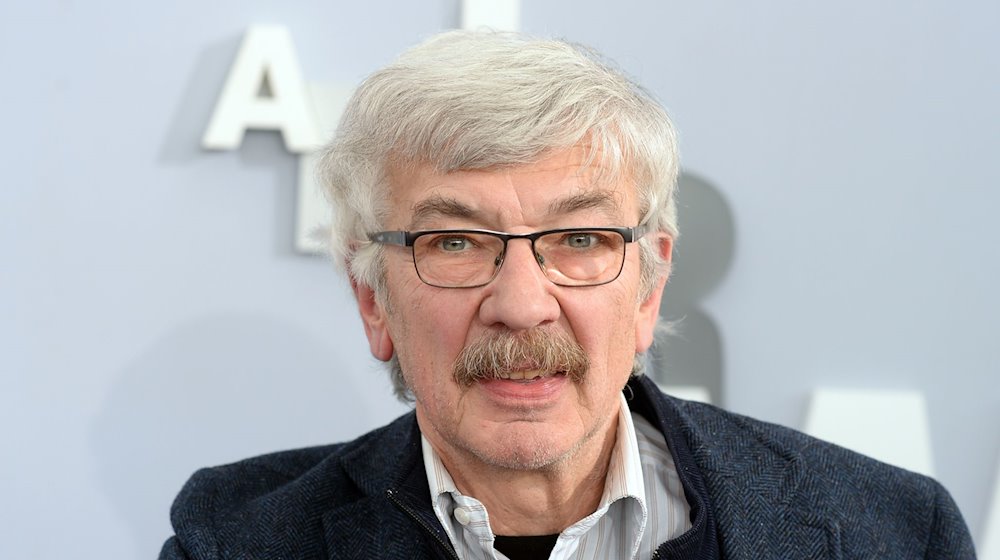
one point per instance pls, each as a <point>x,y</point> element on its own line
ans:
<point>189,118</point>
<point>259,149</point>
<point>692,353</point>
<point>214,391</point>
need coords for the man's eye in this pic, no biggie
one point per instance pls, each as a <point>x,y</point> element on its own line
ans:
<point>454,244</point>
<point>581,240</point>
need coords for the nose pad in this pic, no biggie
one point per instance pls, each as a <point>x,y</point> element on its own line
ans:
<point>498,262</point>
<point>541,264</point>
<point>519,298</point>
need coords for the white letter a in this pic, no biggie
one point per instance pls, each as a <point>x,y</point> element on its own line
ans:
<point>264,91</point>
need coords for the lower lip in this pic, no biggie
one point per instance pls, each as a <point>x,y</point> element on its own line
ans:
<point>536,390</point>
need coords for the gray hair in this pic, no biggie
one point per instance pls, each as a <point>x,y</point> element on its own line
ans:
<point>479,100</point>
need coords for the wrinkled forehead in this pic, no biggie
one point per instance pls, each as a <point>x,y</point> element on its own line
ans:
<point>561,183</point>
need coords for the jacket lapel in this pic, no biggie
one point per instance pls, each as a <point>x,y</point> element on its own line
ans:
<point>760,510</point>
<point>389,471</point>
<point>753,481</point>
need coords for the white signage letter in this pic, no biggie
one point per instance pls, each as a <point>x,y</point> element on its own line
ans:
<point>991,533</point>
<point>312,222</point>
<point>264,91</point>
<point>891,426</point>
<point>502,15</point>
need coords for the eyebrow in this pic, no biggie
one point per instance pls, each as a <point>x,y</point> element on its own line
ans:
<point>590,200</point>
<point>441,207</point>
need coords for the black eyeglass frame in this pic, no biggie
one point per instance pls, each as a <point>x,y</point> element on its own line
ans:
<point>408,239</point>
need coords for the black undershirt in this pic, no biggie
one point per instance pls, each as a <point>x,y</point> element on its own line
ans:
<point>526,548</point>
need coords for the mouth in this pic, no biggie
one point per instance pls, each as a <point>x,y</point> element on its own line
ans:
<point>524,387</point>
<point>527,376</point>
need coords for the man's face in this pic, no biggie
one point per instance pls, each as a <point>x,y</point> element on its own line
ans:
<point>546,417</point>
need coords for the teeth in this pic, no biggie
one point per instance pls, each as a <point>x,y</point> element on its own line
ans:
<point>521,375</point>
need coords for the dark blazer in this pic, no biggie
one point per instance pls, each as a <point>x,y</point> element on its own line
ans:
<point>774,493</point>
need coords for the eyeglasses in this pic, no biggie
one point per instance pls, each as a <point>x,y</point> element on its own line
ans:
<point>469,258</point>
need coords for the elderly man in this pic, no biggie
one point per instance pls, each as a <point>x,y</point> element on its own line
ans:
<point>504,208</point>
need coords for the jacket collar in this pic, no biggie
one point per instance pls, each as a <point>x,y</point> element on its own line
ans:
<point>750,482</point>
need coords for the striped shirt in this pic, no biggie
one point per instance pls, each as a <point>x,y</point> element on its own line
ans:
<point>642,506</point>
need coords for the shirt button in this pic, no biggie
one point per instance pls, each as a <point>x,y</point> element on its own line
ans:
<point>462,516</point>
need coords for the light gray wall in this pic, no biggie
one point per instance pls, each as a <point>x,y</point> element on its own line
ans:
<point>154,318</point>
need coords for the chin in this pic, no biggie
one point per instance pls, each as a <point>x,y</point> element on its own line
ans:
<point>521,452</point>
<point>522,460</point>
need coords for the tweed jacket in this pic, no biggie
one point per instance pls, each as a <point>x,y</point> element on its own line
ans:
<point>773,493</point>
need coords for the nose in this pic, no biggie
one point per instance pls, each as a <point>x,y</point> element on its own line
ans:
<point>520,297</point>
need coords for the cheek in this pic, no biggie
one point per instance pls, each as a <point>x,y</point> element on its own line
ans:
<point>605,326</point>
<point>430,328</point>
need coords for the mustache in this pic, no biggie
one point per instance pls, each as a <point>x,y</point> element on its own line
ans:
<point>504,351</point>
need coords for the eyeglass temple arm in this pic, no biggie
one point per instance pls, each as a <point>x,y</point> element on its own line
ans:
<point>390,238</point>
<point>637,232</point>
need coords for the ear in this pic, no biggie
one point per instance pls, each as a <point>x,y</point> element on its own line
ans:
<point>649,310</point>
<point>375,320</point>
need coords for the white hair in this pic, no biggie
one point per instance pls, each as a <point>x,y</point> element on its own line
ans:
<point>478,100</point>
